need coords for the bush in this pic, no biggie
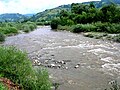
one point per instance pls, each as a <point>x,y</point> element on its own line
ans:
<point>116,28</point>
<point>34,24</point>
<point>32,27</point>
<point>40,23</point>
<point>77,28</point>
<point>15,66</point>
<point>54,24</point>
<point>102,27</point>
<point>88,27</point>
<point>67,28</point>
<point>2,37</point>
<point>26,28</point>
<point>9,30</point>
<point>83,28</point>
<point>116,38</point>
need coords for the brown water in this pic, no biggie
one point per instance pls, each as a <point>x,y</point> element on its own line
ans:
<point>98,61</point>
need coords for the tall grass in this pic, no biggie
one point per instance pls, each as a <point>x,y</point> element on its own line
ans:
<point>15,65</point>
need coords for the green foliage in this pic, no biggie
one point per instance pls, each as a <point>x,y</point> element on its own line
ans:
<point>2,37</point>
<point>49,14</point>
<point>28,26</point>
<point>43,23</point>
<point>88,18</point>
<point>107,27</point>
<point>8,30</point>
<point>55,23</point>
<point>67,28</point>
<point>116,38</point>
<point>77,28</point>
<point>31,23</point>
<point>83,28</point>
<point>2,87</point>
<point>15,65</point>
<point>42,81</point>
<point>94,27</point>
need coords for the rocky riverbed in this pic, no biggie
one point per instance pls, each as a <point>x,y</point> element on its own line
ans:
<point>74,62</point>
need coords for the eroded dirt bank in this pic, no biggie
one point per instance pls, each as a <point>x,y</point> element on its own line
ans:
<point>74,61</point>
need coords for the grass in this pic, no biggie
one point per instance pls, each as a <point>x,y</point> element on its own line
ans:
<point>2,87</point>
<point>114,86</point>
<point>15,65</point>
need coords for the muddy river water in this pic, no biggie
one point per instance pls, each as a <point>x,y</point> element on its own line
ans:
<point>74,61</point>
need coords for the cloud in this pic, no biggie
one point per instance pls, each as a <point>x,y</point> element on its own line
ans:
<point>32,6</point>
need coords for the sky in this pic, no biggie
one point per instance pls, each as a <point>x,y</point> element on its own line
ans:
<point>33,6</point>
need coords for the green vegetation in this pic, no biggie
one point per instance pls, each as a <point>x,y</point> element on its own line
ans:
<point>2,87</point>
<point>114,86</point>
<point>28,26</point>
<point>54,24</point>
<point>45,17</point>
<point>88,18</point>
<point>15,66</point>
<point>116,38</point>
<point>12,28</point>
<point>2,37</point>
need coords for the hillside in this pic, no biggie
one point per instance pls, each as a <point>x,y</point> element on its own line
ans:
<point>49,14</point>
<point>12,17</point>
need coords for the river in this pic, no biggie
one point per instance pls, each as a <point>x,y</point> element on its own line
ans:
<point>72,60</point>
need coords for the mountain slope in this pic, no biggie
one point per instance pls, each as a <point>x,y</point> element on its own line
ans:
<point>49,14</point>
<point>12,17</point>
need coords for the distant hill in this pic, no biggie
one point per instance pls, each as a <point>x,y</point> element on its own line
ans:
<point>49,14</point>
<point>28,15</point>
<point>12,17</point>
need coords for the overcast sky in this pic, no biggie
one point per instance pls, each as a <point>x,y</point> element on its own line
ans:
<point>32,6</point>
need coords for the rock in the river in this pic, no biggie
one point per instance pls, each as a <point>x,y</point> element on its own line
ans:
<point>37,62</point>
<point>77,66</point>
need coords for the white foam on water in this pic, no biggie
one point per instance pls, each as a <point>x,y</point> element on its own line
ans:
<point>100,50</point>
<point>107,59</point>
<point>111,68</point>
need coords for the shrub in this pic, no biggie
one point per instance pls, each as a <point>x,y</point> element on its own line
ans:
<point>2,37</point>
<point>9,30</point>
<point>83,28</point>
<point>102,27</point>
<point>54,24</point>
<point>34,24</point>
<point>88,27</point>
<point>116,38</point>
<point>15,66</point>
<point>39,23</point>
<point>67,28</point>
<point>116,28</point>
<point>77,28</point>
<point>32,27</point>
<point>26,28</point>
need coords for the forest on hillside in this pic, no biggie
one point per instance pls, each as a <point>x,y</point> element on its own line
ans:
<point>88,18</point>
